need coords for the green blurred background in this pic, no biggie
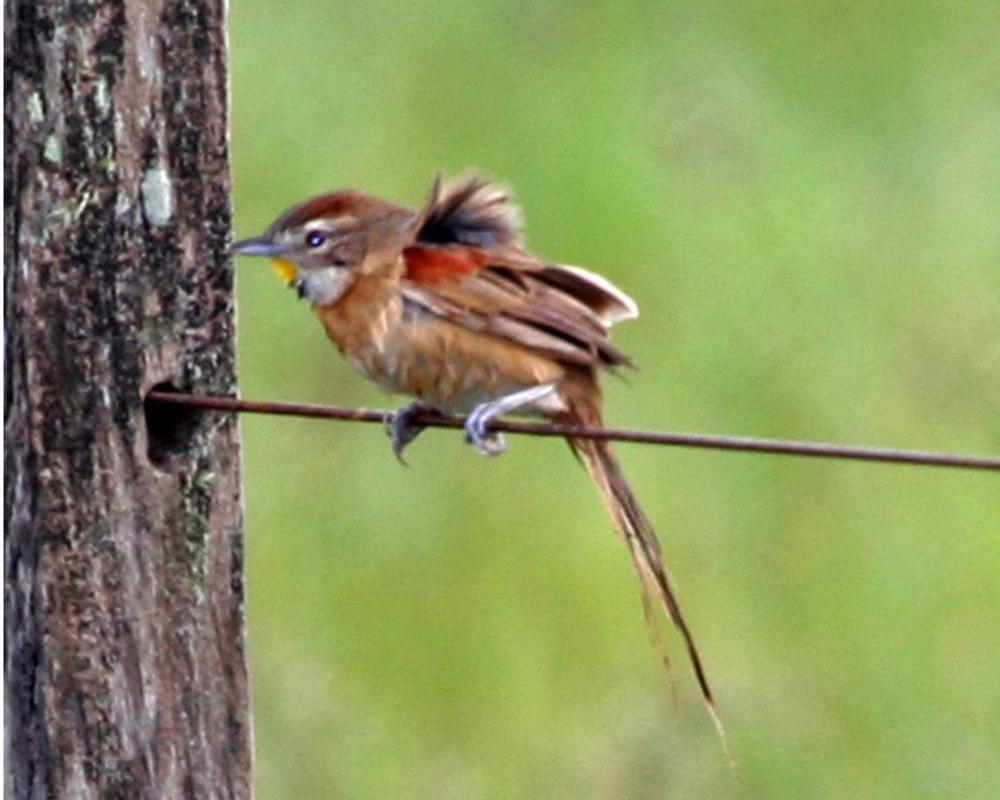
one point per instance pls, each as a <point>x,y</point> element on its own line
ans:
<point>803,199</point>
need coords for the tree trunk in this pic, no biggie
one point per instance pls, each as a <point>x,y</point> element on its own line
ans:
<point>124,630</point>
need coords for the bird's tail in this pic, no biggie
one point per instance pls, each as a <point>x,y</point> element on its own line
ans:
<point>637,532</point>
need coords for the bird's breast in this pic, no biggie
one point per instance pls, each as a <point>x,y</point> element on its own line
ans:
<point>409,351</point>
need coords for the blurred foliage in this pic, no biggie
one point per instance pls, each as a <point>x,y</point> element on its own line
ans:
<point>803,199</point>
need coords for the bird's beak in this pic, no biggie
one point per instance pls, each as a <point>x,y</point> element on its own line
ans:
<point>258,246</point>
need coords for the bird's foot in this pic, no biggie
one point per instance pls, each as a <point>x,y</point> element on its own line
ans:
<point>478,434</point>
<point>402,427</point>
<point>477,425</point>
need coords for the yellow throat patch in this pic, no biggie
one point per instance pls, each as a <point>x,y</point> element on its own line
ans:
<point>285,270</point>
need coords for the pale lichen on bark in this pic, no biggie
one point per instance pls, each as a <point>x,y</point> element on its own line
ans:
<point>157,196</point>
<point>125,660</point>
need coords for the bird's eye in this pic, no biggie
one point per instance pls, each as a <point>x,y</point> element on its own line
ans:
<point>315,239</point>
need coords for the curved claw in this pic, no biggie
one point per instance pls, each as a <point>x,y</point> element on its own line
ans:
<point>402,429</point>
<point>477,433</point>
<point>492,443</point>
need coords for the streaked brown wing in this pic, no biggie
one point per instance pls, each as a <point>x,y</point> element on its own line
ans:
<point>540,306</point>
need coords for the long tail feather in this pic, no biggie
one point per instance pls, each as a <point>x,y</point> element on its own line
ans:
<point>637,532</point>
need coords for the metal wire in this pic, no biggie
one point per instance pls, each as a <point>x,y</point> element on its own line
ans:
<point>710,441</point>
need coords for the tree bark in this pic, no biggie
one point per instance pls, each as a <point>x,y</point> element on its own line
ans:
<point>124,629</point>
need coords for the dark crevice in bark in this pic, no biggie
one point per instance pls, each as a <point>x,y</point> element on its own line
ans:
<point>170,429</point>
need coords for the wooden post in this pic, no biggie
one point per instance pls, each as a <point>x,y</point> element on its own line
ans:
<point>125,667</point>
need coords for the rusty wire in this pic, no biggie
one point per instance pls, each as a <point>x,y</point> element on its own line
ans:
<point>709,441</point>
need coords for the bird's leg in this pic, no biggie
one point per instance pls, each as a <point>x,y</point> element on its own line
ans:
<point>477,425</point>
<point>402,428</point>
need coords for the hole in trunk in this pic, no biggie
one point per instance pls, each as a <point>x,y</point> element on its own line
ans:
<point>169,428</point>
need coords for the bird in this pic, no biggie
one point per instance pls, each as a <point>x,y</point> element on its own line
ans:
<point>446,304</point>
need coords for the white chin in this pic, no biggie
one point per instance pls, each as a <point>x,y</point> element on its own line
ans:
<point>325,286</point>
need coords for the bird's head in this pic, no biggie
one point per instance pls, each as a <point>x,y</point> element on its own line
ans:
<point>321,245</point>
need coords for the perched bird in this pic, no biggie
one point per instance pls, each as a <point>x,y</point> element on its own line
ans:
<point>447,306</point>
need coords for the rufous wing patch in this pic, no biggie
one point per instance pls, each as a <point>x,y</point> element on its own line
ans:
<point>429,265</point>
